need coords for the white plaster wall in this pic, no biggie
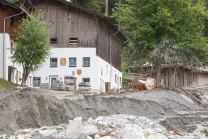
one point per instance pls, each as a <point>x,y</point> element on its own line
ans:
<point>7,45</point>
<point>93,72</point>
<point>106,75</point>
<point>202,79</point>
<point>62,71</point>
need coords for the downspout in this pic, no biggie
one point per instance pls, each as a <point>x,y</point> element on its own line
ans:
<point>4,37</point>
<point>110,58</point>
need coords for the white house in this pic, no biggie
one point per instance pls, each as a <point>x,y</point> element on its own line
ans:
<point>84,44</point>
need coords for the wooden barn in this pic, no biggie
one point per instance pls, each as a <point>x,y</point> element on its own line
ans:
<point>174,76</point>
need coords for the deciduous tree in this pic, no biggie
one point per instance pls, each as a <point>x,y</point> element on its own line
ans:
<point>165,31</point>
<point>32,37</point>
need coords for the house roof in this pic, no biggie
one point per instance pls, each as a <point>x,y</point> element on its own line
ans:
<point>102,17</point>
<point>13,6</point>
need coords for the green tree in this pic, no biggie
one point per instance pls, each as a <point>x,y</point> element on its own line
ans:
<point>165,31</point>
<point>31,50</point>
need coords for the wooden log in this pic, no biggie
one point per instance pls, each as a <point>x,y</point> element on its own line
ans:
<point>193,97</point>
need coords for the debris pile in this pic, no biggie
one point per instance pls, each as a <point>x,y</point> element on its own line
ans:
<point>105,127</point>
<point>143,84</point>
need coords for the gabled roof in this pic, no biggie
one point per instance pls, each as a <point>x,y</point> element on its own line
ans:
<point>102,17</point>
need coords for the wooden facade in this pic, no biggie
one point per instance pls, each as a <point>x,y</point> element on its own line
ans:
<point>171,76</point>
<point>91,29</point>
<point>174,77</point>
<point>10,23</point>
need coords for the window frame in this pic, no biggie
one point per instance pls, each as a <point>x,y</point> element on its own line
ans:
<point>83,61</point>
<point>56,40</point>
<point>73,58</point>
<point>33,82</point>
<point>85,78</point>
<point>72,40</point>
<point>56,62</point>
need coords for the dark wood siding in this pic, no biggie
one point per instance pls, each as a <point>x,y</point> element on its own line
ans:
<point>67,21</point>
<point>103,49</point>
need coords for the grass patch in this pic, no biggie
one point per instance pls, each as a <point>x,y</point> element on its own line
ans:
<point>205,131</point>
<point>126,75</point>
<point>6,84</point>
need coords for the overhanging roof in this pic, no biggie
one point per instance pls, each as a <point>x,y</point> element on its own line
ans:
<point>102,17</point>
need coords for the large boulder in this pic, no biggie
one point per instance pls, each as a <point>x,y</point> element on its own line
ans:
<point>133,132</point>
<point>75,130</point>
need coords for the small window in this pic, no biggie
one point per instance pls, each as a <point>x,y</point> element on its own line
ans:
<point>120,81</point>
<point>73,42</point>
<point>36,81</point>
<point>53,62</point>
<point>54,40</point>
<point>115,78</point>
<point>86,61</point>
<point>106,69</point>
<point>86,80</point>
<point>72,62</point>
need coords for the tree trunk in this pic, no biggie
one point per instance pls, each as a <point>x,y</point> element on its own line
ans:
<point>24,78</point>
<point>158,72</point>
<point>106,8</point>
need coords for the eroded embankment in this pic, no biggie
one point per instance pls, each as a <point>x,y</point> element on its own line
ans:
<point>29,110</point>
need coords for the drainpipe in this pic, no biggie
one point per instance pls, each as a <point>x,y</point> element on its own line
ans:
<point>4,37</point>
<point>110,58</point>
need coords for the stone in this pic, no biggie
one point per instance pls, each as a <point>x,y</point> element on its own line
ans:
<point>91,129</point>
<point>18,88</point>
<point>153,135</point>
<point>46,133</point>
<point>133,132</point>
<point>97,137</point>
<point>88,137</point>
<point>106,137</point>
<point>75,130</point>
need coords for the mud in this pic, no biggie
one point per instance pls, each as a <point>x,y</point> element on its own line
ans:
<point>29,110</point>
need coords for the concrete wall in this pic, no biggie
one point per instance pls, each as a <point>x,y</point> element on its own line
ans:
<point>202,78</point>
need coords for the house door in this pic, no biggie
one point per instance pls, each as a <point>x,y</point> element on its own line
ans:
<point>17,77</point>
<point>53,78</point>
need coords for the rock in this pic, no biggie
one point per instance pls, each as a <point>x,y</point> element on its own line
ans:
<point>153,135</point>
<point>18,88</point>
<point>133,132</point>
<point>91,130</point>
<point>88,137</point>
<point>16,91</point>
<point>44,128</point>
<point>46,133</point>
<point>97,137</point>
<point>75,130</point>
<point>106,137</point>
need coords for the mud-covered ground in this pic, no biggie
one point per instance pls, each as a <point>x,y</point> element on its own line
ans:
<point>21,110</point>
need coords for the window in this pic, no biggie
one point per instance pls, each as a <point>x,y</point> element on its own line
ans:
<point>86,61</point>
<point>73,42</point>
<point>54,40</point>
<point>53,62</point>
<point>36,81</point>
<point>106,69</point>
<point>11,48</point>
<point>72,62</point>
<point>115,78</point>
<point>86,80</point>
<point>30,81</point>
